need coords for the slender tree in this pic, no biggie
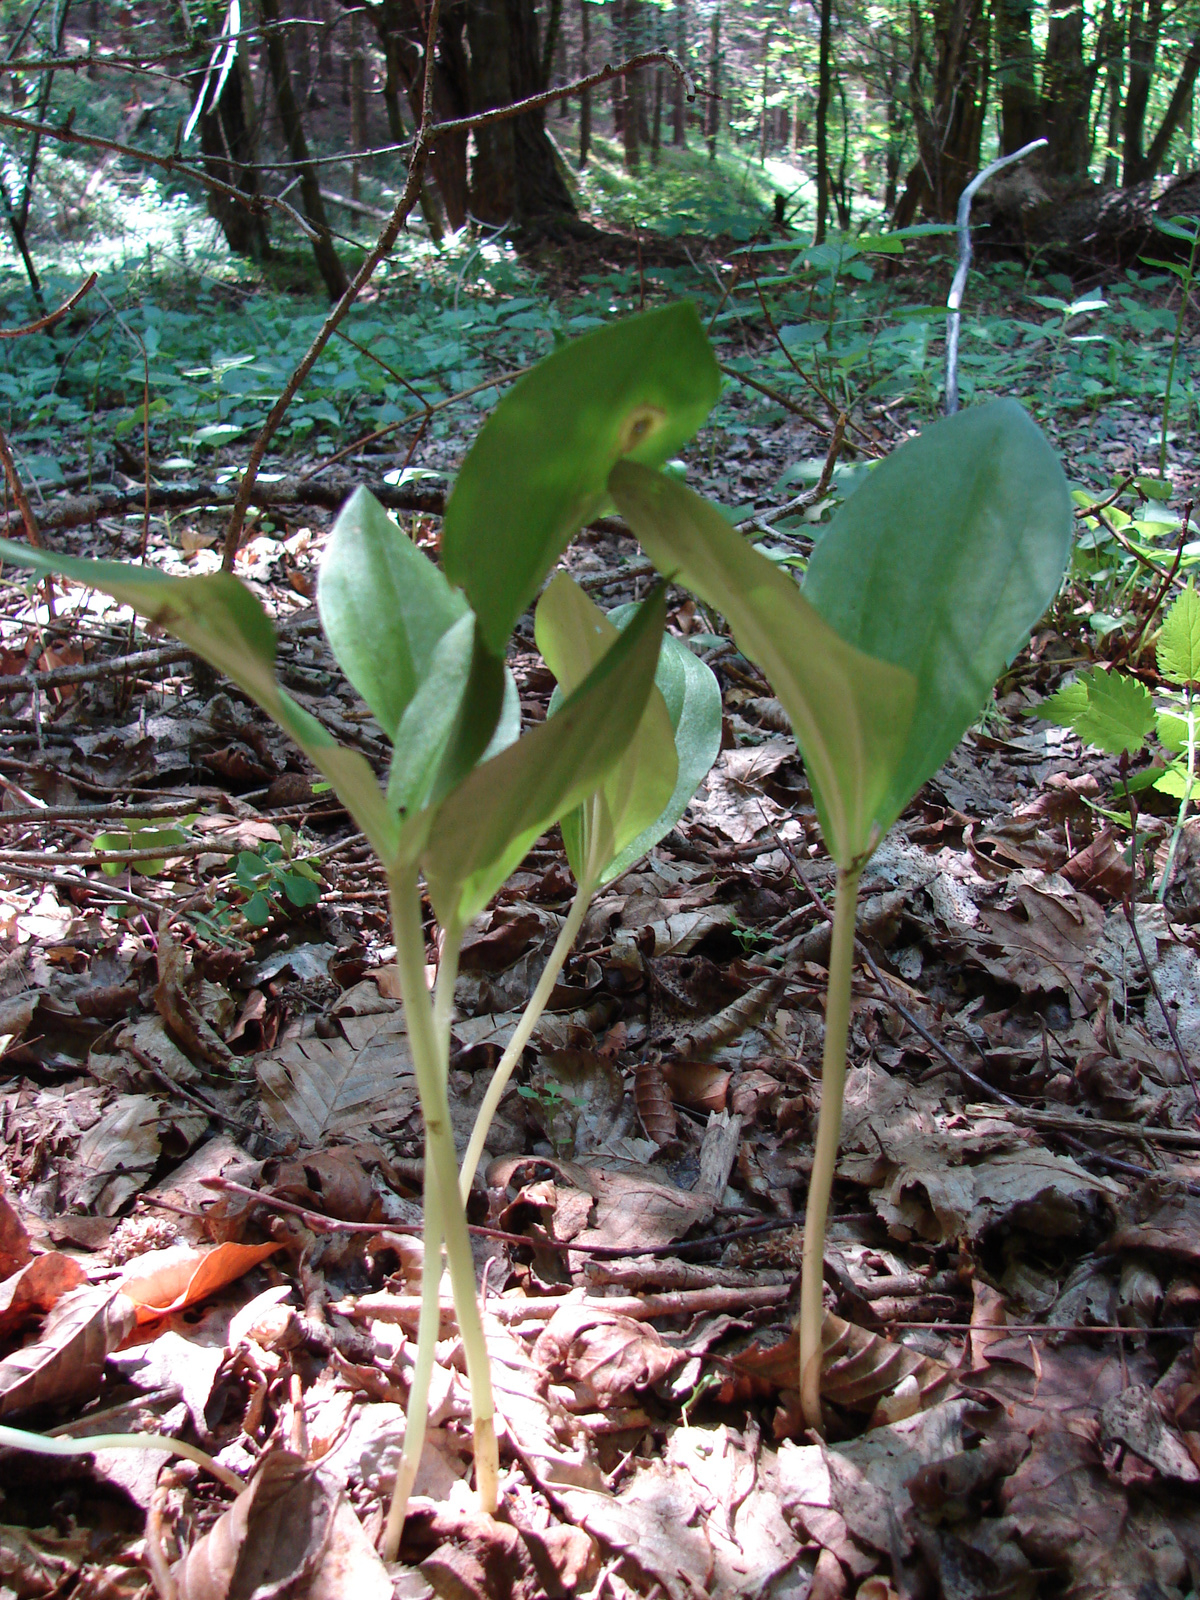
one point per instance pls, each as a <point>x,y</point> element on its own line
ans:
<point>324,252</point>
<point>585,98</point>
<point>679,107</point>
<point>823,92</point>
<point>712,124</point>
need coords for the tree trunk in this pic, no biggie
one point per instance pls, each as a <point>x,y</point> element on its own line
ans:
<point>324,253</point>
<point>228,147</point>
<point>1020,110</point>
<point>656,126</point>
<point>632,115</point>
<point>585,98</point>
<point>358,99</point>
<point>514,176</point>
<point>712,122</point>
<point>1144,25</point>
<point>678,101</point>
<point>493,170</point>
<point>1066,93</point>
<point>400,25</point>
<point>1111,51</point>
<point>1180,101</point>
<point>762,128</point>
<point>823,86</point>
<point>948,107</point>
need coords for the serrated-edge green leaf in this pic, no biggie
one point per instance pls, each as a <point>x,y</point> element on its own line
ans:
<point>1179,639</point>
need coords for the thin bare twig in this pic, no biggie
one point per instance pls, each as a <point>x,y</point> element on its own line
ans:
<point>17,490</point>
<point>51,317</point>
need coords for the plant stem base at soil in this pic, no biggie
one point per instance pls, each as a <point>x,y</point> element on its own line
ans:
<point>829,1133</point>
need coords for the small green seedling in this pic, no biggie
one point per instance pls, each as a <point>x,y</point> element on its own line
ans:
<point>1116,713</point>
<point>274,877</point>
<point>636,728</point>
<point>924,586</point>
<point>142,836</point>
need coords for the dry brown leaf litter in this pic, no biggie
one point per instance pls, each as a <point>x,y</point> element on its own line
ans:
<point>645,1381</point>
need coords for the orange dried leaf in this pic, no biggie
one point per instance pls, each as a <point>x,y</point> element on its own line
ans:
<point>170,1280</point>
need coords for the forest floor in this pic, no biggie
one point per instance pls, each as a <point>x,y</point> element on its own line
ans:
<point>1012,1376</point>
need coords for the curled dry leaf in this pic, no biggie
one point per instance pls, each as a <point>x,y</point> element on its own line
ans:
<point>602,1357</point>
<point>290,1532</point>
<point>653,1100</point>
<point>698,1084</point>
<point>67,1362</point>
<point>37,1289</point>
<point>169,1280</point>
<point>330,1181</point>
<point>860,1371</point>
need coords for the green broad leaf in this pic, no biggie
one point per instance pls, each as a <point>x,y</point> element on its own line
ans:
<point>573,636</point>
<point>850,713</point>
<point>537,471</point>
<point>301,891</point>
<point>257,910</point>
<point>1108,710</point>
<point>940,564</point>
<point>1174,782</point>
<point>693,699</point>
<point>1179,639</point>
<point>137,838</point>
<point>426,758</point>
<point>1173,731</point>
<point>218,618</point>
<point>484,827</point>
<point>384,607</point>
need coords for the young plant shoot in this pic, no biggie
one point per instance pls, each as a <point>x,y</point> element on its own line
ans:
<point>635,729</point>
<point>917,596</point>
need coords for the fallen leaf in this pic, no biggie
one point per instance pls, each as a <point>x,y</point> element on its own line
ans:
<point>315,1090</point>
<point>288,1533</point>
<point>602,1357</point>
<point>36,1289</point>
<point>66,1362</point>
<point>163,1281</point>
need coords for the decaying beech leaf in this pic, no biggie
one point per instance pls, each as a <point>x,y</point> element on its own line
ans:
<point>290,1532</point>
<point>169,1280</point>
<point>860,1371</point>
<point>67,1361</point>
<point>601,1356</point>
<point>37,1288</point>
<point>653,1100</point>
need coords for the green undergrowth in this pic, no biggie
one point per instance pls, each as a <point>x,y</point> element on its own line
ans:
<point>856,324</point>
<point>683,192</point>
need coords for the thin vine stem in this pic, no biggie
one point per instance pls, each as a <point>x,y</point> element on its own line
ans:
<point>829,1134</point>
